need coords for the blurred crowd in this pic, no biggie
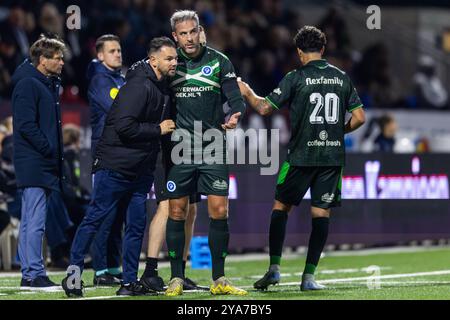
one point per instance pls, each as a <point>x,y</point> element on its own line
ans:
<point>65,210</point>
<point>256,35</point>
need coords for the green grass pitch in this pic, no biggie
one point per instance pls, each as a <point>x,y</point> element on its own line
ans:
<point>413,274</point>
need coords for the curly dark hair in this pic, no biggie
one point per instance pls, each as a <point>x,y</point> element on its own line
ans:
<point>310,39</point>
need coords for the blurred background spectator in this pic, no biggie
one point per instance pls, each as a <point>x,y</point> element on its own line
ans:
<point>256,35</point>
<point>7,178</point>
<point>75,196</point>
<point>403,66</point>
<point>429,89</point>
<point>378,88</point>
<point>385,141</point>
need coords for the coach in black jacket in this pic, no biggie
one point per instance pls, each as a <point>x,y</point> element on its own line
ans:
<point>124,162</point>
<point>130,141</point>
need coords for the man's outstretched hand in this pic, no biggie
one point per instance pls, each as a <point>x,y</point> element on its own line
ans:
<point>232,122</point>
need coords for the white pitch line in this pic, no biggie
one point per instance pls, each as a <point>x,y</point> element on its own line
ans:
<point>18,274</point>
<point>282,284</point>
<point>403,282</point>
<point>390,276</point>
<point>326,271</point>
<point>26,290</point>
<point>98,298</point>
<point>355,279</point>
<point>340,280</point>
<point>264,256</point>
<point>112,297</point>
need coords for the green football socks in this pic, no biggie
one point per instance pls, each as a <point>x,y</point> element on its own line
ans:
<point>277,233</point>
<point>317,240</point>
<point>175,245</point>
<point>218,244</point>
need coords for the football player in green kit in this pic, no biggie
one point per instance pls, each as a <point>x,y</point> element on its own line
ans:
<point>204,79</point>
<point>318,95</point>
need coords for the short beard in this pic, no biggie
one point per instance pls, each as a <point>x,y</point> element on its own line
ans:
<point>163,74</point>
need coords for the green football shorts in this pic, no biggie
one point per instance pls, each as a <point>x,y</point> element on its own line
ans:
<point>325,183</point>
<point>206,179</point>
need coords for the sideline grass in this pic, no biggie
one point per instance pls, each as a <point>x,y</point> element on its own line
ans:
<point>407,275</point>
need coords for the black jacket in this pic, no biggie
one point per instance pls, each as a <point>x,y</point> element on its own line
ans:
<point>38,148</point>
<point>130,141</point>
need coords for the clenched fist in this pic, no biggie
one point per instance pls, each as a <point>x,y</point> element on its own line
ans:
<point>167,126</point>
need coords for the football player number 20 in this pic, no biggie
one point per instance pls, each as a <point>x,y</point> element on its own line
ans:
<point>331,102</point>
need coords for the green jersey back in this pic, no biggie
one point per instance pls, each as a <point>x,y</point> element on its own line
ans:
<point>318,95</point>
<point>201,86</point>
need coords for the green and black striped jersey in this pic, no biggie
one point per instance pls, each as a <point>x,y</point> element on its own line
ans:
<point>318,96</point>
<point>201,86</point>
